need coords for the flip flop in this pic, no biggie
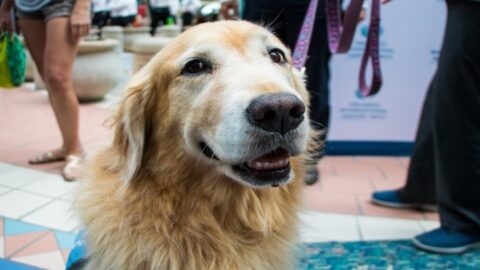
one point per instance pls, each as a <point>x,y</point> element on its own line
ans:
<point>49,157</point>
<point>74,167</point>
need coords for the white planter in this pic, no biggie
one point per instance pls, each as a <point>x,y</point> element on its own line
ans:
<point>144,49</point>
<point>96,71</point>
<point>130,34</point>
<point>113,32</point>
<point>168,30</point>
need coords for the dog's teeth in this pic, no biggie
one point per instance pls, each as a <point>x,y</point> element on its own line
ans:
<point>265,165</point>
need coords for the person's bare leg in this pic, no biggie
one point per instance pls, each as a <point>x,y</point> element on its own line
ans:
<point>34,32</point>
<point>58,62</point>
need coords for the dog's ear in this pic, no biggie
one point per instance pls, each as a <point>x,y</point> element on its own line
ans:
<point>131,125</point>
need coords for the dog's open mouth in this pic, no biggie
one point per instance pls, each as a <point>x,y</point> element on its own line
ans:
<point>270,169</point>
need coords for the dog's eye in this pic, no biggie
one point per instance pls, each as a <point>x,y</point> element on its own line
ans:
<point>277,56</point>
<point>196,67</point>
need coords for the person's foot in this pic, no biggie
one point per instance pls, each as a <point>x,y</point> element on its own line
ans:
<point>446,241</point>
<point>312,176</point>
<point>73,168</point>
<point>391,198</point>
<point>48,157</point>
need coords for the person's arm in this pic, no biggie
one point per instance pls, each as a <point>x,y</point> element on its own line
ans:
<point>6,22</point>
<point>80,20</point>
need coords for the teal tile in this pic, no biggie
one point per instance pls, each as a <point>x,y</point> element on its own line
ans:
<point>15,227</point>
<point>65,240</point>
<point>379,255</point>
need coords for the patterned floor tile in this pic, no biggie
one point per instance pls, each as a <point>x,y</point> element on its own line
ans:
<point>20,177</point>
<point>2,247</point>
<point>65,240</point>
<point>9,265</point>
<point>15,227</point>
<point>14,244</point>
<point>55,215</point>
<point>17,203</point>
<point>30,244</point>
<point>65,254</point>
<point>46,243</point>
<point>52,260</point>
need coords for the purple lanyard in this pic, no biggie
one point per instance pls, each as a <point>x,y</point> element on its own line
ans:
<point>341,37</point>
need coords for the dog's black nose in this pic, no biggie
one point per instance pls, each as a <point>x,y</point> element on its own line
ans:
<point>277,112</point>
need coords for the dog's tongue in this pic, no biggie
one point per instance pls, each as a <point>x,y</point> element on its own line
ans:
<point>274,160</point>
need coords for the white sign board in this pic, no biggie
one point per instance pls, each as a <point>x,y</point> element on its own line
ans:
<point>411,36</point>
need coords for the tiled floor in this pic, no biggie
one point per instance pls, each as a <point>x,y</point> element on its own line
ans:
<point>37,228</point>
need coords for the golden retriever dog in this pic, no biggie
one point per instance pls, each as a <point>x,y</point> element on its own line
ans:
<point>207,162</point>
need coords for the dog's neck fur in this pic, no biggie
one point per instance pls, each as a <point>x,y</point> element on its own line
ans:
<point>186,215</point>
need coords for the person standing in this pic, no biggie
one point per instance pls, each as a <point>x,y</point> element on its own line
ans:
<point>444,169</point>
<point>123,12</point>
<point>161,11</point>
<point>52,30</point>
<point>101,13</point>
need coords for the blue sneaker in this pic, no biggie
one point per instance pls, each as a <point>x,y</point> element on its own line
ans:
<point>446,241</point>
<point>391,198</point>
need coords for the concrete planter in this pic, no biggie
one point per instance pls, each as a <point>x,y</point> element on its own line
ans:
<point>144,49</point>
<point>130,34</point>
<point>96,71</point>
<point>168,30</point>
<point>113,32</point>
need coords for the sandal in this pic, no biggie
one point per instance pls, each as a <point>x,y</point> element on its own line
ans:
<point>74,167</point>
<point>48,157</point>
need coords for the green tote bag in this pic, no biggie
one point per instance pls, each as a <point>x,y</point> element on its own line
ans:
<point>12,61</point>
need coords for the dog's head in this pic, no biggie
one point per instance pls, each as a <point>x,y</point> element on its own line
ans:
<point>228,94</point>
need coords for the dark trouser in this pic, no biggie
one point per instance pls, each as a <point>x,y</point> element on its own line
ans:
<point>123,21</point>
<point>101,18</point>
<point>158,15</point>
<point>445,165</point>
<point>285,18</point>
<point>187,18</point>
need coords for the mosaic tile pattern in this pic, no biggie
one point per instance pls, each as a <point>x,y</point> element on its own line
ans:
<point>34,245</point>
<point>380,255</point>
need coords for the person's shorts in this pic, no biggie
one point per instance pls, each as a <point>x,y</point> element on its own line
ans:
<point>56,8</point>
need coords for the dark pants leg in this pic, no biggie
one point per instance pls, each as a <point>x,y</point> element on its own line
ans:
<point>101,18</point>
<point>454,116</point>
<point>285,17</point>
<point>457,119</point>
<point>123,21</point>
<point>158,15</point>
<point>420,186</point>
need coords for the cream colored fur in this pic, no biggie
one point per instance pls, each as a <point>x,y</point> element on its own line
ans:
<point>149,201</point>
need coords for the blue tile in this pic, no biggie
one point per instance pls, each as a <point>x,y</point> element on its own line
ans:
<point>9,265</point>
<point>15,227</point>
<point>65,240</point>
